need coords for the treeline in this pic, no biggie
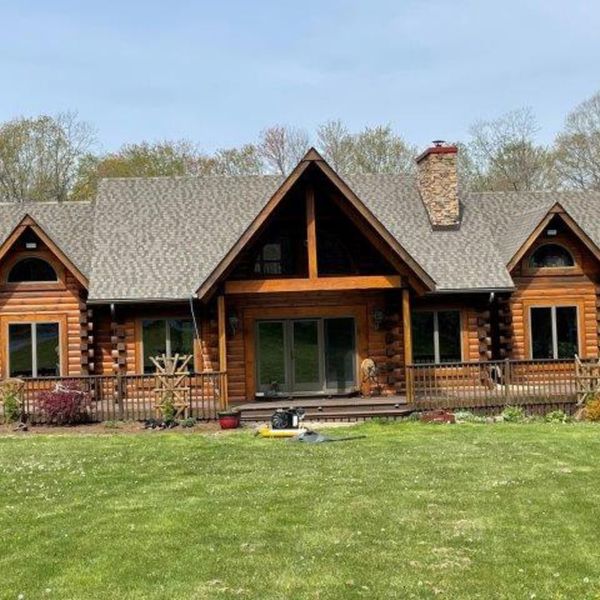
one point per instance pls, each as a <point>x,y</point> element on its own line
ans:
<point>54,157</point>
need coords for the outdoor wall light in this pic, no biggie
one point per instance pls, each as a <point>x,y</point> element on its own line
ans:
<point>378,317</point>
<point>234,323</point>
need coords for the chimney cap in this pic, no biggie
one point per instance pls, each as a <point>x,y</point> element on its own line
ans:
<point>439,147</point>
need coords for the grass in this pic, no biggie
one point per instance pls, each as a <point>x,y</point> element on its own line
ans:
<point>412,511</point>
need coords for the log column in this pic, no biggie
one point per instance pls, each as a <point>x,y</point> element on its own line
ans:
<point>407,334</point>
<point>222,326</point>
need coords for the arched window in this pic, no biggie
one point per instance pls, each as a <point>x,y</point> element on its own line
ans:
<point>31,270</point>
<point>551,256</point>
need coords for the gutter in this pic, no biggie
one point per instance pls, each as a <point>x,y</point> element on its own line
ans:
<point>97,301</point>
<point>496,290</point>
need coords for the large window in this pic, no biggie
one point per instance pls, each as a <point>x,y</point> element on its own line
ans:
<point>436,336</point>
<point>554,332</point>
<point>166,336</point>
<point>33,349</point>
<point>551,256</point>
<point>32,270</point>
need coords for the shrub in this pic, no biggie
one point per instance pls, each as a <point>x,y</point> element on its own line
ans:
<point>556,416</point>
<point>12,407</point>
<point>513,414</point>
<point>66,404</point>
<point>189,422</point>
<point>592,408</point>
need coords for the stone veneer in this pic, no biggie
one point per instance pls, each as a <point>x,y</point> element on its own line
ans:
<point>438,184</point>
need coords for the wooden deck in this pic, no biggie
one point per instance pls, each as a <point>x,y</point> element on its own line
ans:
<point>330,409</point>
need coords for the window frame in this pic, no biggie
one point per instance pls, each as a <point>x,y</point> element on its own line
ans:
<point>554,328</point>
<point>21,259</point>
<point>530,268</point>
<point>140,340</point>
<point>33,325</point>
<point>436,333</point>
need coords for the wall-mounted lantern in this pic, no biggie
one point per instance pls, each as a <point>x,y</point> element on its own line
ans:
<point>378,317</point>
<point>234,323</point>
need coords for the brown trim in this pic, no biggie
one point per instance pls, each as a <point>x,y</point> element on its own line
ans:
<point>30,222</point>
<point>407,327</point>
<point>266,286</point>
<point>253,314</point>
<point>311,157</point>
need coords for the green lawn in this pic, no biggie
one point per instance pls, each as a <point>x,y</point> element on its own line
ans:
<point>412,511</point>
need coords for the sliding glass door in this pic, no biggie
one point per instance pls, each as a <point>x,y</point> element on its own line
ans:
<point>306,356</point>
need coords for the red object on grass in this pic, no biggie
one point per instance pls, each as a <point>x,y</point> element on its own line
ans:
<point>438,416</point>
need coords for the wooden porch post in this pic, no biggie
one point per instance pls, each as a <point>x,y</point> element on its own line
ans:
<point>311,234</point>
<point>221,317</point>
<point>407,335</point>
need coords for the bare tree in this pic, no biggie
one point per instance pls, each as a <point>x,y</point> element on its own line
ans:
<point>39,157</point>
<point>281,148</point>
<point>578,146</point>
<point>502,155</point>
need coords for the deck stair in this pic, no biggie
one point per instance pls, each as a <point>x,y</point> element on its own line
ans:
<point>330,408</point>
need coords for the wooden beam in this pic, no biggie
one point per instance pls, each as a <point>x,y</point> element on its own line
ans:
<point>222,326</point>
<point>407,335</point>
<point>322,284</point>
<point>311,233</point>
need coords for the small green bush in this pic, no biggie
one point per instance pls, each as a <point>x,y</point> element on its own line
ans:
<point>12,407</point>
<point>556,416</point>
<point>513,414</point>
<point>464,416</point>
<point>189,422</point>
<point>592,408</point>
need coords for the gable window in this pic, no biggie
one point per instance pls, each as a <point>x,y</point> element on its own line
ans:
<point>32,270</point>
<point>436,336</point>
<point>274,258</point>
<point>551,256</point>
<point>166,336</point>
<point>33,349</point>
<point>554,332</point>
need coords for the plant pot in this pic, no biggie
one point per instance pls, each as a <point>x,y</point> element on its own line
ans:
<point>229,420</point>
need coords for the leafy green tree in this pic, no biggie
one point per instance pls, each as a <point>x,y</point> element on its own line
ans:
<point>40,157</point>
<point>577,147</point>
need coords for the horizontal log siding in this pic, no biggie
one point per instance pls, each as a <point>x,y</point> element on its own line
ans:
<point>576,287</point>
<point>61,301</point>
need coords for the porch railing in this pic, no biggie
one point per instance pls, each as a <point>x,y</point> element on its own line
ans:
<point>492,383</point>
<point>130,397</point>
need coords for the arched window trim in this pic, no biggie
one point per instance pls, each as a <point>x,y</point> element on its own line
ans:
<point>11,268</point>
<point>567,252</point>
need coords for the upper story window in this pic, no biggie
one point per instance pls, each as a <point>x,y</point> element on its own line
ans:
<point>32,270</point>
<point>273,258</point>
<point>551,256</point>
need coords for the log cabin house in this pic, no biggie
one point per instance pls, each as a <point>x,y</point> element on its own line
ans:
<point>292,286</point>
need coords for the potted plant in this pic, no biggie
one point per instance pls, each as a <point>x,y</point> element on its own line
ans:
<point>229,419</point>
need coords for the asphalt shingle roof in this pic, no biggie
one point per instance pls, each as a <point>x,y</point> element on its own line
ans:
<point>160,238</point>
<point>69,225</point>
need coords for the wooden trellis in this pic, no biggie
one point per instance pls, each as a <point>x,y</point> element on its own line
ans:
<point>171,390</point>
<point>12,387</point>
<point>587,378</point>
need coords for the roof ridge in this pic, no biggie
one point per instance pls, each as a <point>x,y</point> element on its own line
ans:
<point>191,177</point>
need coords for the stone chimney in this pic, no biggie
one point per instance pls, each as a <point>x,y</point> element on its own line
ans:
<point>438,184</point>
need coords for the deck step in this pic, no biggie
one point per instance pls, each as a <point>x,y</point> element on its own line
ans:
<point>348,414</point>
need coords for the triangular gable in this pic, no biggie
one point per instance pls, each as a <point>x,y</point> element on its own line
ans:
<point>556,209</point>
<point>312,157</point>
<point>29,222</point>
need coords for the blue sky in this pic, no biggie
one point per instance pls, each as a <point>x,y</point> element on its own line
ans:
<point>218,72</point>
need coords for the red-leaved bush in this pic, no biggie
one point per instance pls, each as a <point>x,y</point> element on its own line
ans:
<point>66,404</point>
